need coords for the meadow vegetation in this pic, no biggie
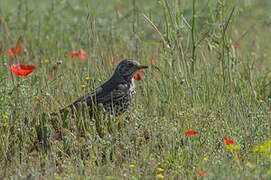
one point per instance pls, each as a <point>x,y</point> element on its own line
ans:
<point>209,78</point>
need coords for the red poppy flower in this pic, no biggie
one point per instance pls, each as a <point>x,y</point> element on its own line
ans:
<point>119,7</point>
<point>14,50</point>
<point>191,132</point>
<point>80,53</point>
<point>21,69</point>
<point>138,76</point>
<point>236,44</point>
<point>152,59</point>
<point>203,173</point>
<point>37,99</point>
<point>228,141</point>
<point>83,54</point>
<point>75,54</point>
<point>121,57</point>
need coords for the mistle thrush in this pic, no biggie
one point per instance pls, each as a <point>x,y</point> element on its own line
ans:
<point>116,94</point>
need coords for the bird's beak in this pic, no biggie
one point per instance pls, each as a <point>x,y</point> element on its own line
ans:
<point>142,67</point>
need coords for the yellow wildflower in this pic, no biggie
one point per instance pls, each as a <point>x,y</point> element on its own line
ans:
<point>179,166</point>
<point>221,73</point>
<point>89,162</point>
<point>87,78</point>
<point>266,147</point>
<point>256,149</point>
<point>262,148</point>
<point>160,176</point>
<point>142,32</point>
<point>236,148</point>
<point>261,101</point>
<point>232,147</point>
<point>83,86</point>
<point>205,159</point>
<point>132,165</point>
<point>160,169</point>
<point>46,61</point>
<point>5,116</point>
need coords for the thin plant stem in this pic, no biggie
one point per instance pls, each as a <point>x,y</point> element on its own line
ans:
<point>193,31</point>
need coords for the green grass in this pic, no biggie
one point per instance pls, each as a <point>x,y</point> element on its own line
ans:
<point>199,82</point>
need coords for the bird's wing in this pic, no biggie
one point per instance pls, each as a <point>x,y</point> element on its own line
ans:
<point>108,95</point>
<point>101,95</point>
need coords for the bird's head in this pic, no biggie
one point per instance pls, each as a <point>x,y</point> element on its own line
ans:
<point>127,68</point>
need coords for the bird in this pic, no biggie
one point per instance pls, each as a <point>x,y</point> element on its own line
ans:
<point>115,95</point>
